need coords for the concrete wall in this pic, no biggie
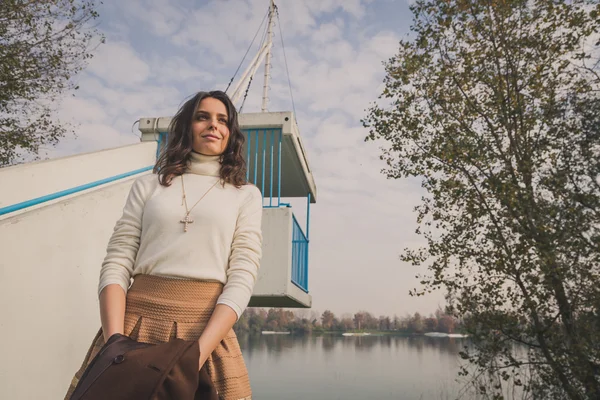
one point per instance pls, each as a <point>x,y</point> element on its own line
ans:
<point>274,287</point>
<point>32,180</point>
<point>277,251</point>
<point>49,263</point>
<point>48,283</point>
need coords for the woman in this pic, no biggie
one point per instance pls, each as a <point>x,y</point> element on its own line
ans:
<point>190,237</point>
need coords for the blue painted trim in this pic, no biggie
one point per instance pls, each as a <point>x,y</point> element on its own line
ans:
<point>63,193</point>
<point>256,158</point>
<point>306,268</point>
<point>158,145</point>
<point>288,205</point>
<point>264,132</point>
<point>271,191</point>
<point>253,162</point>
<point>299,257</point>
<point>279,169</point>
<point>299,228</point>
<point>300,287</point>
<point>307,238</point>
<point>308,216</point>
<point>160,139</point>
<point>248,157</point>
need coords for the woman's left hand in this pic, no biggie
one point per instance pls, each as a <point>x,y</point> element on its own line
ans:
<point>222,320</point>
<point>201,361</point>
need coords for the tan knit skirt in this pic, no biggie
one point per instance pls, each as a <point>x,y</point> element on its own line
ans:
<point>161,309</point>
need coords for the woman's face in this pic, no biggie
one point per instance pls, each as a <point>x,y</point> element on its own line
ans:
<point>209,127</point>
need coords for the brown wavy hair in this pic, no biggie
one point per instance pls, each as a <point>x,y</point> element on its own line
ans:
<point>175,157</point>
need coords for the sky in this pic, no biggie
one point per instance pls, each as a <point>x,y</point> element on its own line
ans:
<point>159,52</point>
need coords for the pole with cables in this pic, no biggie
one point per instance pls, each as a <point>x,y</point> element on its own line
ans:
<point>268,60</point>
<point>250,71</point>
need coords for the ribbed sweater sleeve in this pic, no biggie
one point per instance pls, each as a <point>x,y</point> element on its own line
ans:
<point>125,241</point>
<point>246,252</point>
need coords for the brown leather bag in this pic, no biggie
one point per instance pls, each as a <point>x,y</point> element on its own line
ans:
<point>128,370</point>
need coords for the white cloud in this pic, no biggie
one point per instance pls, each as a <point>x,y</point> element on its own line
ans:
<point>91,137</point>
<point>334,134</point>
<point>335,53</point>
<point>297,18</point>
<point>82,110</point>
<point>355,8</point>
<point>145,99</point>
<point>384,44</point>
<point>327,33</point>
<point>117,64</point>
<point>179,69</point>
<point>343,76</point>
<point>223,29</point>
<point>160,17</point>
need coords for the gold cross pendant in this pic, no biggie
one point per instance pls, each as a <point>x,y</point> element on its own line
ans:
<point>187,220</point>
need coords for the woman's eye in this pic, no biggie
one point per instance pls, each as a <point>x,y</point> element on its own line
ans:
<point>223,120</point>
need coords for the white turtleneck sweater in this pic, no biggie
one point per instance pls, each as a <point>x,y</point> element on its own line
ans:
<point>223,243</point>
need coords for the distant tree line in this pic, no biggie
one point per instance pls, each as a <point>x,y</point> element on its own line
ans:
<point>256,320</point>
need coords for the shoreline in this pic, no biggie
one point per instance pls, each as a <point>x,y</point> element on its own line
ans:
<point>361,333</point>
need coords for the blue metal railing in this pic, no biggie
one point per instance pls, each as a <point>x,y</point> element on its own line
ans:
<point>162,142</point>
<point>263,159</point>
<point>299,257</point>
<point>263,156</point>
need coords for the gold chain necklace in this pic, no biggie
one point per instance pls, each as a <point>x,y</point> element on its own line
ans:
<point>187,220</point>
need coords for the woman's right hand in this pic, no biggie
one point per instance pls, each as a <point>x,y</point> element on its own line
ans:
<point>112,310</point>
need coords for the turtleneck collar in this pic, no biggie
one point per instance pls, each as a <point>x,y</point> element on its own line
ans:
<point>201,164</point>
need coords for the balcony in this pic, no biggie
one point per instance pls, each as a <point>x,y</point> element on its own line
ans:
<point>278,166</point>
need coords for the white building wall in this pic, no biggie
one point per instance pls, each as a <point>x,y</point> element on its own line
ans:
<point>277,252</point>
<point>49,264</point>
<point>49,270</point>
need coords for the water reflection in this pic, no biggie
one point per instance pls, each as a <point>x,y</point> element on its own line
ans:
<point>352,367</point>
<point>278,344</point>
<point>328,342</point>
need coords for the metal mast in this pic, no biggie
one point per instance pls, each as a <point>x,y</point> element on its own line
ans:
<point>263,52</point>
<point>265,97</point>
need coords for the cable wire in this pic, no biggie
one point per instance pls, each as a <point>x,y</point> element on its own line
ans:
<point>286,64</point>
<point>247,51</point>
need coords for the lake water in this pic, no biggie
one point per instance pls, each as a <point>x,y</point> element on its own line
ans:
<point>349,368</point>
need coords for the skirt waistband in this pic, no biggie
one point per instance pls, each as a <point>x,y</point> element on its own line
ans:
<point>173,299</point>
